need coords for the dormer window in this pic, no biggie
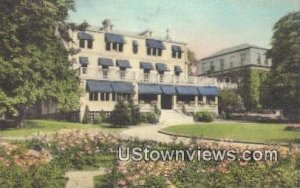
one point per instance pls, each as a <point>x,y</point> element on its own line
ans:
<point>114,42</point>
<point>176,52</point>
<point>85,40</point>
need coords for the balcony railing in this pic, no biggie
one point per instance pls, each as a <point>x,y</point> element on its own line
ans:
<point>129,75</point>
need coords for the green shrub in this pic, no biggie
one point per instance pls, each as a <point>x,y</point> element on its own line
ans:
<point>149,117</point>
<point>98,120</point>
<point>121,115</point>
<point>135,113</point>
<point>204,116</point>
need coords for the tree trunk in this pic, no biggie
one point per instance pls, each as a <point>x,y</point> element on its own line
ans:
<point>19,121</point>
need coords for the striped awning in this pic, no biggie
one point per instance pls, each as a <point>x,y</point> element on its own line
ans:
<point>123,63</point>
<point>151,43</point>
<point>98,86</point>
<point>176,48</point>
<point>149,89</point>
<point>208,90</point>
<point>168,89</point>
<point>122,87</point>
<point>110,37</point>
<point>105,62</point>
<point>187,90</point>
<point>146,65</point>
<point>85,36</point>
<point>161,67</point>
<point>177,69</point>
<point>84,60</point>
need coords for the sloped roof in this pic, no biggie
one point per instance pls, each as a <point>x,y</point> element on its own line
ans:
<point>233,49</point>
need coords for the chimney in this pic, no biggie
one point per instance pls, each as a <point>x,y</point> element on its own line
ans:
<point>107,25</point>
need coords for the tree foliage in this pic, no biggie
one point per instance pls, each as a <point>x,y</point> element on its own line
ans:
<point>284,81</point>
<point>33,59</point>
<point>230,101</point>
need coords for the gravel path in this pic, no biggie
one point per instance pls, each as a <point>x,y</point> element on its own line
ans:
<point>83,179</point>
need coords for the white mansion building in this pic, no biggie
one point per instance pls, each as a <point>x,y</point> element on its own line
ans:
<point>153,71</point>
<point>226,64</point>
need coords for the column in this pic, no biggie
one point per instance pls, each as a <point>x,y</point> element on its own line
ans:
<point>196,104</point>
<point>217,106</point>
<point>159,101</point>
<point>174,102</point>
<point>204,100</point>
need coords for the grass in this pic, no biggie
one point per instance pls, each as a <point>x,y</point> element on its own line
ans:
<point>45,126</point>
<point>101,181</point>
<point>249,132</point>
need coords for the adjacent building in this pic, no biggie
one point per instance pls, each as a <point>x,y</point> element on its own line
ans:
<point>227,63</point>
<point>150,70</point>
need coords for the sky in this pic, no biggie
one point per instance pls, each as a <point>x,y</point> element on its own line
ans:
<point>206,26</point>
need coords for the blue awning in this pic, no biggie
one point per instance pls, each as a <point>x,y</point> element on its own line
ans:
<point>151,43</point>
<point>177,69</point>
<point>98,86</point>
<point>208,90</point>
<point>187,90</point>
<point>146,65</point>
<point>122,87</point>
<point>149,89</point>
<point>84,60</point>
<point>161,67</point>
<point>109,37</point>
<point>168,89</point>
<point>105,62</point>
<point>85,36</point>
<point>176,48</point>
<point>123,63</point>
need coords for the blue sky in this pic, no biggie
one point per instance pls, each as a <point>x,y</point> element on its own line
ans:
<point>206,25</point>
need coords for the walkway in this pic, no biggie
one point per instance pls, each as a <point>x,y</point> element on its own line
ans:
<point>83,179</point>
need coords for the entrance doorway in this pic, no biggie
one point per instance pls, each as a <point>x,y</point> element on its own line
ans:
<point>166,101</point>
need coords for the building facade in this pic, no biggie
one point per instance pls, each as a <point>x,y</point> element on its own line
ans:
<point>226,64</point>
<point>150,70</point>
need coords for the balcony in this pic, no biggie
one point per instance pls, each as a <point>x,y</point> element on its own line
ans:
<point>133,76</point>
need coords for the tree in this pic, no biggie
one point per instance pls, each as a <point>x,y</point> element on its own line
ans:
<point>284,80</point>
<point>121,115</point>
<point>230,101</point>
<point>192,60</point>
<point>250,89</point>
<point>33,59</point>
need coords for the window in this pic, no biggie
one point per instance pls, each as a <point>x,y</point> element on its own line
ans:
<point>159,52</point>
<point>186,99</point>
<point>210,100</point>
<point>258,58</point>
<point>114,96</point>
<point>108,46</point>
<point>179,55</point>
<point>221,64</point>
<point>82,43</point>
<point>173,54</point>
<point>135,48</point>
<point>114,47</point>
<point>155,51</point>
<point>93,96</point>
<point>212,66</point>
<point>148,51</point>
<point>147,98</point>
<point>104,96</point>
<point>90,44</point>
<point>243,58</point>
<point>118,47</point>
<point>176,54</point>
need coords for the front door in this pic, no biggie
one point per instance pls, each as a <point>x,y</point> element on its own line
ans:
<point>166,101</point>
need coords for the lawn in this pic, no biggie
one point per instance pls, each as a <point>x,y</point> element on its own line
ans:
<point>250,132</point>
<point>42,126</point>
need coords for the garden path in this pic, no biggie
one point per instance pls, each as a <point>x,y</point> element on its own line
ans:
<point>83,179</point>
